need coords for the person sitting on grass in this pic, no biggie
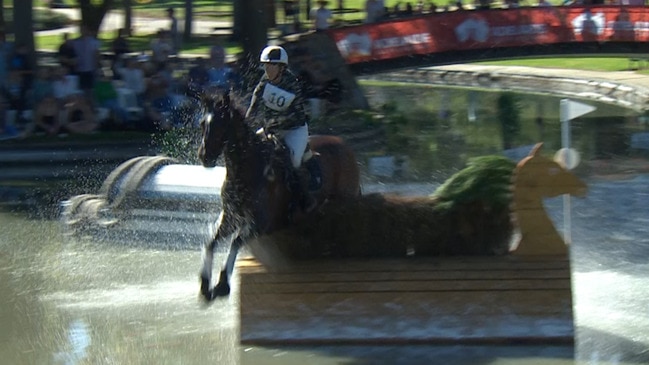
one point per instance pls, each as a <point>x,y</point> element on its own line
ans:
<point>158,103</point>
<point>81,118</point>
<point>46,119</point>
<point>133,78</point>
<point>106,97</point>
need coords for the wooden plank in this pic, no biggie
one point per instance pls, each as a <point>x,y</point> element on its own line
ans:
<point>399,286</point>
<point>414,303</point>
<point>304,277</point>
<point>423,264</point>
<point>433,300</point>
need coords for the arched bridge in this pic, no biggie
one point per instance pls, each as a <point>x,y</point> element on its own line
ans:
<point>461,36</point>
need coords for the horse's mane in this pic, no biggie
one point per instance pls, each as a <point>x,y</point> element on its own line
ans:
<point>485,178</point>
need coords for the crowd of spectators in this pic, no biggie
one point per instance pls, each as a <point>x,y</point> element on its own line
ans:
<point>83,91</point>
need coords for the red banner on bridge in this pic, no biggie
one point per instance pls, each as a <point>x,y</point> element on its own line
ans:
<point>474,30</point>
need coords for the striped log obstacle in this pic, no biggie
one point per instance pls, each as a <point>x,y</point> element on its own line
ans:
<point>152,199</point>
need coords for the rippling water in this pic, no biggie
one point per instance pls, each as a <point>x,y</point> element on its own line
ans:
<point>83,302</point>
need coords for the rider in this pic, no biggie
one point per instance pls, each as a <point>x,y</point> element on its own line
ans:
<point>279,102</point>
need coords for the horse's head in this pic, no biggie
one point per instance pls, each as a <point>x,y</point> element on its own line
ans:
<point>546,177</point>
<point>214,125</point>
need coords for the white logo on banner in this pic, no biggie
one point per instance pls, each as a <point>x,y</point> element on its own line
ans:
<point>355,45</point>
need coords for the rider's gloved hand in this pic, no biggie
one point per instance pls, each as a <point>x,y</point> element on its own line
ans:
<point>271,126</point>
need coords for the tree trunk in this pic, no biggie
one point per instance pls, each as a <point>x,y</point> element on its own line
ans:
<point>128,17</point>
<point>189,20</point>
<point>2,16</point>
<point>239,18</point>
<point>254,31</point>
<point>23,15</point>
<point>92,15</point>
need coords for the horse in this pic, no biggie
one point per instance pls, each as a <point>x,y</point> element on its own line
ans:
<point>254,203</point>
<point>537,177</point>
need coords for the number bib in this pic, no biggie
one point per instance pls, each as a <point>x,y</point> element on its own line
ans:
<point>276,98</point>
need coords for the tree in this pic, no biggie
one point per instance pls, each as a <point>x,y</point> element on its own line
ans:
<point>189,19</point>
<point>509,114</point>
<point>23,14</point>
<point>2,16</point>
<point>250,27</point>
<point>93,12</point>
<point>128,17</point>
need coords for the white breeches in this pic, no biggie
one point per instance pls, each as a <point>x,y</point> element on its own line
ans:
<point>296,141</point>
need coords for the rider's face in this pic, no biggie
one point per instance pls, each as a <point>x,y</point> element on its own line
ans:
<point>272,70</point>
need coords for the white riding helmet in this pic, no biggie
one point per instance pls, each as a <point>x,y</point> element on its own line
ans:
<point>274,54</point>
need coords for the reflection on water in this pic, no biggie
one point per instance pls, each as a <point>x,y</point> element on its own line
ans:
<point>78,340</point>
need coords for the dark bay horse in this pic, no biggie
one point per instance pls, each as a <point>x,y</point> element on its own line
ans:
<point>254,204</point>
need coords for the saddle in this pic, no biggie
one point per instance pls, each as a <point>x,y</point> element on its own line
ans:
<point>280,159</point>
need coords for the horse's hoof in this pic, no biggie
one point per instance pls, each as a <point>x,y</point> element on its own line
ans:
<point>207,294</point>
<point>221,290</point>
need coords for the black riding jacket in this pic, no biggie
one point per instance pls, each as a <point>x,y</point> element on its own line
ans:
<point>280,106</point>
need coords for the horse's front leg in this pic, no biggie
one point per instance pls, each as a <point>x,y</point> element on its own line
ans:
<point>223,287</point>
<point>224,231</point>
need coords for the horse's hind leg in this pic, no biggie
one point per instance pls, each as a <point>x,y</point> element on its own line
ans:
<point>225,230</point>
<point>223,286</point>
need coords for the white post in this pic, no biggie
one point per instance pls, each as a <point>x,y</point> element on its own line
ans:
<point>565,143</point>
<point>569,110</point>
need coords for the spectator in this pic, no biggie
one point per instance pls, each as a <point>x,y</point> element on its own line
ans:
<point>321,16</point>
<point>81,117</point>
<point>219,73</point>
<point>6,51</point>
<point>160,49</point>
<point>173,31</point>
<point>158,103</point>
<point>120,48</point>
<point>42,87</point>
<point>10,99</point>
<point>86,48</point>
<point>64,85</point>
<point>375,10</point>
<point>197,77</point>
<point>6,131</point>
<point>47,119</point>
<point>106,97</point>
<point>133,78</point>
<point>67,56</point>
<point>409,10</point>
<point>12,92</point>
<point>21,64</point>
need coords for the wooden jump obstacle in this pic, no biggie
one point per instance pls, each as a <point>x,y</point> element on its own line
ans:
<point>521,298</point>
<point>473,300</point>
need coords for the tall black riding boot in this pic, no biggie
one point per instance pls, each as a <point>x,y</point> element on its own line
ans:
<point>309,202</point>
<point>300,190</point>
